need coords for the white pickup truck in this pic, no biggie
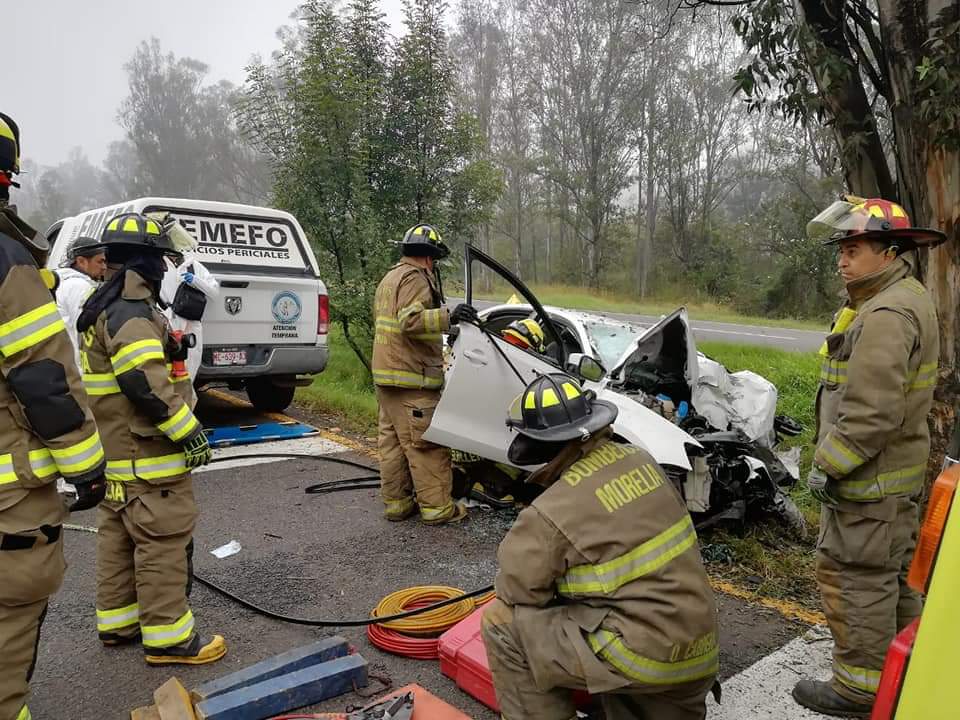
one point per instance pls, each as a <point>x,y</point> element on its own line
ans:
<point>268,328</point>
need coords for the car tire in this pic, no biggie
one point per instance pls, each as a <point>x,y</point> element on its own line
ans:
<point>267,396</point>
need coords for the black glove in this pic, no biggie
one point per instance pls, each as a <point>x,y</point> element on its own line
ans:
<point>463,313</point>
<point>89,494</point>
<point>197,450</point>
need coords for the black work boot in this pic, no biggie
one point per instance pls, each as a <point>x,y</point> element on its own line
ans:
<point>113,639</point>
<point>198,651</point>
<point>822,698</point>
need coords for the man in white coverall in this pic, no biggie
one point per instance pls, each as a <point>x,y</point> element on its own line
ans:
<point>83,269</point>
<point>185,289</point>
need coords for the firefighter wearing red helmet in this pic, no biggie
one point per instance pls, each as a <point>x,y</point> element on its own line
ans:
<point>879,369</point>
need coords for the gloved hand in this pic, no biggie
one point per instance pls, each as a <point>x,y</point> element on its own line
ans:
<point>187,277</point>
<point>817,482</point>
<point>463,313</point>
<point>89,494</point>
<point>197,450</point>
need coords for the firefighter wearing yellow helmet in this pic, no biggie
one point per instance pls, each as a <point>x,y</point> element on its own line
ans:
<point>600,585</point>
<point>879,369</point>
<point>410,319</point>
<point>46,431</point>
<point>525,334</point>
<point>152,441</point>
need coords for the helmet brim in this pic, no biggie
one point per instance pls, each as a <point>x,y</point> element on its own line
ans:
<point>602,415</point>
<point>438,251</point>
<point>919,237</point>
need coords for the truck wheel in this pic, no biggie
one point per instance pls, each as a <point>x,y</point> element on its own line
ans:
<point>267,396</point>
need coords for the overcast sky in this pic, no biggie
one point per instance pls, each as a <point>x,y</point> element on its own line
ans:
<point>62,78</point>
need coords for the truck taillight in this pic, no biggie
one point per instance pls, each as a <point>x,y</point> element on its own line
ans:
<point>323,314</point>
<point>894,670</point>
<point>931,532</point>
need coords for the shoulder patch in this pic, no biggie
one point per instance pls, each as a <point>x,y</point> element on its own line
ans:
<point>12,253</point>
<point>121,311</point>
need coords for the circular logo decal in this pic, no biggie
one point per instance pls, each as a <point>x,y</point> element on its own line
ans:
<point>287,307</point>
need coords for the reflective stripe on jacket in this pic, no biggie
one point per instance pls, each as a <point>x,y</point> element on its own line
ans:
<point>611,541</point>
<point>409,322</point>
<point>876,389</point>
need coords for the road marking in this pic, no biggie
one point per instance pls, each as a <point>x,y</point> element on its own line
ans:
<point>789,610</point>
<point>762,691</point>
<point>313,445</point>
<point>748,334</point>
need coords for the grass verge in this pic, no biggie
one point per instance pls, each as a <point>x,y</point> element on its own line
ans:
<point>763,559</point>
<point>600,301</point>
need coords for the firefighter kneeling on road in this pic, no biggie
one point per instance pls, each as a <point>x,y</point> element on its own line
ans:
<point>410,320</point>
<point>876,390</point>
<point>600,587</point>
<point>152,441</point>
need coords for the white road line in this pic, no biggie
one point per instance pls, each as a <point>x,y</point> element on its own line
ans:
<point>762,691</point>
<point>313,445</point>
<point>748,334</point>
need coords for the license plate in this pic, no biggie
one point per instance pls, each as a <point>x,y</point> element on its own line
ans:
<point>229,357</point>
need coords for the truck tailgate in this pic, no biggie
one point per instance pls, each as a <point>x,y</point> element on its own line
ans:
<point>257,310</point>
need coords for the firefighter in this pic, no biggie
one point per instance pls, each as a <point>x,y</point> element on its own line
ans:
<point>410,320</point>
<point>525,334</point>
<point>879,369</point>
<point>84,266</point>
<point>46,431</point>
<point>600,586</point>
<point>153,440</point>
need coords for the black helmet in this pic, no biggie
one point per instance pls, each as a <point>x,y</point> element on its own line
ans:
<point>135,231</point>
<point>423,241</point>
<point>9,145</point>
<point>85,246</point>
<point>554,409</point>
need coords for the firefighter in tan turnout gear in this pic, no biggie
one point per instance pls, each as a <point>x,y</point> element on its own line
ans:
<point>152,440</point>
<point>601,586</point>
<point>46,431</point>
<point>410,320</point>
<point>876,389</point>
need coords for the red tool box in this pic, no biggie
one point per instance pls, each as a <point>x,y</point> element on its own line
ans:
<point>463,658</point>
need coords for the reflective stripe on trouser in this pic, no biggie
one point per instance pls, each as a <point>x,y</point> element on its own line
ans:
<point>30,576</point>
<point>863,556</point>
<point>405,379</point>
<point>408,463</point>
<point>142,561</point>
<point>532,687</point>
<point>118,618</point>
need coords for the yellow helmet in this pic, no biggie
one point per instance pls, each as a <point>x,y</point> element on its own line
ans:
<point>9,145</point>
<point>526,334</point>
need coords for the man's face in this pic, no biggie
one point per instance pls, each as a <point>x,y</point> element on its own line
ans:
<point>856,258</point>
<point>93,266</point>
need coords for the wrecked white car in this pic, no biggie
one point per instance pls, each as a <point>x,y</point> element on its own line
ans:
<point>712,432</point>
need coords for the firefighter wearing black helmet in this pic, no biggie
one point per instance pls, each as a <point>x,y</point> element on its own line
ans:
<point>152,441</point>
<point>46,431</point>
<point>600,586</point>
<point>410,320</point>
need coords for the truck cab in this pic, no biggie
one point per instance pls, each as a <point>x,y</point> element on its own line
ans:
<point>267,331</point>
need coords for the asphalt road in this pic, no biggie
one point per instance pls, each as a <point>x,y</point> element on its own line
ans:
<point>330,556</point>
<point>769,336</point>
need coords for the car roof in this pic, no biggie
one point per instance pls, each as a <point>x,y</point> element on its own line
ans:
<point>574,316</point>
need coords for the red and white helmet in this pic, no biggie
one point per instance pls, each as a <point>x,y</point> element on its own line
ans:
<point>872,218</point>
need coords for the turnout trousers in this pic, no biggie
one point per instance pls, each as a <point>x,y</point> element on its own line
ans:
<point>144,549</point>
<point>538,683</point>
<point>413,472</point>
<point>30,576</point>
<point>863,556</point>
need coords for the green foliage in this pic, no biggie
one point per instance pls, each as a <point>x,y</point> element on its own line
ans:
<point>938,80</point>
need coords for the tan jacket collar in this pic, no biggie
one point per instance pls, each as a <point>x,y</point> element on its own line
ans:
<point>135,287</point>
<point>864,288</point>
<point>571,453</point>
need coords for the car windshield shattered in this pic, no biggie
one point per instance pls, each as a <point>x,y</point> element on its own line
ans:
<point>610,339</point>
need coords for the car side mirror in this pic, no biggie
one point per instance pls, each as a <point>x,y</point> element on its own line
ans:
<point>585,367</point>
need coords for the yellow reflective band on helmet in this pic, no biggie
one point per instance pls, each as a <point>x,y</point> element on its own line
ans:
<point>428,231</point>
<point>858,678</point>
<point>136,354</point>
<point>529,402</point>
<point>897,211</point>
<point>180,425</point>
<point>160,636</point>
<point>570,390</point>
<point>42,463</point>
<point>152,228</point>
<point>7,473</point>
<point>925,377</point>
<point>549,398</point>
<point>131,225</point>
<point>108,620</point>
<point>30,329</point>
<point>24,714</point>
<point>402,378</point>
<point>114,224</point>
<point>606,578</point>
<point>81,457</point>
<point>645,670</point>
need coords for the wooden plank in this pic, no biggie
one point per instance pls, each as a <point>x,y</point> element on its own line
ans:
<point>148,712</point>
<point>282,664</point>
<point>173,701</point>
<point>294,690</point>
